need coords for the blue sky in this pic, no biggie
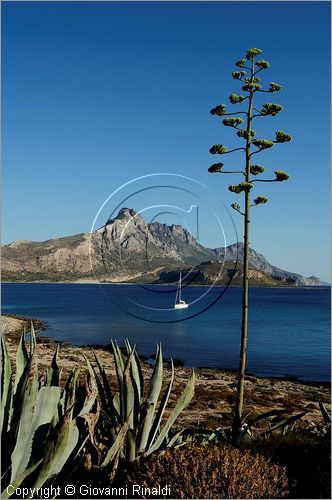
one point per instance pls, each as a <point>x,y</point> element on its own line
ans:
<point>95,94</point>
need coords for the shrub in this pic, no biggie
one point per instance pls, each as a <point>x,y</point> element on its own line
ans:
<point>211,472</point>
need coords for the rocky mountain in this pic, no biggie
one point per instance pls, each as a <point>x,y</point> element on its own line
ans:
<point>127,249</point>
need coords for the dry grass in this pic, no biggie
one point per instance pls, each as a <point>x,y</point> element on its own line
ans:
<point>216,472</point>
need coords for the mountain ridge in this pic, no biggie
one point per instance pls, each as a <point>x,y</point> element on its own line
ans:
<point>127,249</point>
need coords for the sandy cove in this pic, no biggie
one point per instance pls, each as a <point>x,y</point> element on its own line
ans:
<point>215,391</point>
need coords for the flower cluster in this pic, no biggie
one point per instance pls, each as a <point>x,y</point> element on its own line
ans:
<point>271,109</point>
<point>262,143</point>
<point>251,87</point>
<point>275,87</point>
<point>281,175</point>
<point>243,133</point>
<point>218,110</point>
<point>282,137</point>
<point>237,75</point>
<point>260,200</point>
<point>232,121</point>
<point>262,64</point>
<point>218,149</point>
<point>216,167</point>
<point>256,169</point>
<point>236,206</point>
<point>240,63</point>
<point>243,186</point>
<point>235,99</point>
<point>251,53</point>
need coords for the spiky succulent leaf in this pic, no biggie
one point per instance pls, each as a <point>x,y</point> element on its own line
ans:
<point>182,403</point>
<point>6,389</point>
<point>216,167</point>
<point>218,149</point>
<point>34,425</point>
<point>281,175</point>
<point>58,452</point>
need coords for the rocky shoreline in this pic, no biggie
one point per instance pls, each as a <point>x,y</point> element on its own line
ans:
<point>215,390</point>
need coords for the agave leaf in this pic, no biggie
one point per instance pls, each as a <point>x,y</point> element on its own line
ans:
<point>32,339</point>
<point>116,446</point>
<point>33,420</point>
<point>154,391</point>
<point>91,387</point>
<point>53,373</point>
<point>19,479</point>
<point>176,437</point>
<point>161,409</point>
<point>139,375</point>
<point>267,414</point>
<point>184,400</point>
<point>6,389</point>
<point>157,377</point>
<point>129,392</point>
<point>284,423</point>
<point>17,404</point>
<point>131,452</point>
<point>108,401</point>
<point>120,362</point>
<point>69,392</point>
<point>326,416</point>
<point>58,453</point>
<point>21,359</point>
<point>119,367</point>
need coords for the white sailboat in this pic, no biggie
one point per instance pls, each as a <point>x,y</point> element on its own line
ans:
<point>179,303</point>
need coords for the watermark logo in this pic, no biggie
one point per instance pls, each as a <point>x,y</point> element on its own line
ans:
<point>157,232</point>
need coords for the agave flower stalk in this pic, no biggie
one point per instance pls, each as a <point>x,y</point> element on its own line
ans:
<point>250,67</point>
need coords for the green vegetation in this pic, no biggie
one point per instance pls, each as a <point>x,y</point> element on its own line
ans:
<point>248,76</point>
<point>132,417</point>
<point>39,431</point>
<point>119,429</point>
<point>48,427</point>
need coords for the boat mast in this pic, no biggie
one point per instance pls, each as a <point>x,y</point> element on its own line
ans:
<point>180,288</point>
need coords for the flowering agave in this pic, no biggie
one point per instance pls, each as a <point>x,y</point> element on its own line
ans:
<point>216,167</point>
<point>271,109</point>
<point>252,87</point>
<point>256,169</point>
<point>262,143</point>
<point>281,175</point>
<point>218,149</point>
<point>282,137</point>
<point>218,110</point>
<point>235,99</point>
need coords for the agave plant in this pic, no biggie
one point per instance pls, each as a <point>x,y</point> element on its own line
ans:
<point>39,430</point>
<point>135,416</point>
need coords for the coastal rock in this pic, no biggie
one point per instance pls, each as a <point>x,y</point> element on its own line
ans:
<point>127,248</point>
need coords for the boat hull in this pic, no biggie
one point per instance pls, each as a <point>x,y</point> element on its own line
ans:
<point>181,306</point>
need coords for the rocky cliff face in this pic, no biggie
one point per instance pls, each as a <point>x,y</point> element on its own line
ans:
<point>129,249</point>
